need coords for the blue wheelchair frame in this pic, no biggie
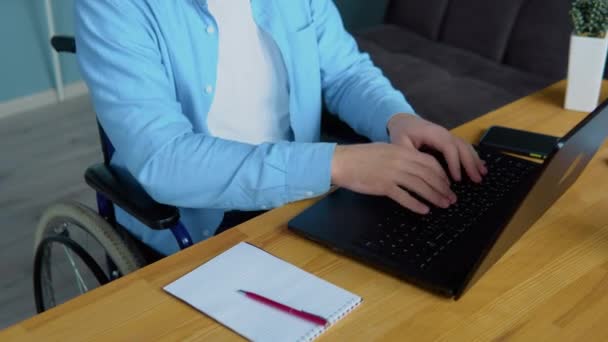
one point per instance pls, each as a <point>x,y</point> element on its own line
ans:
<point>113,187</point>
<point>105,207</point>
<point>119,188</point>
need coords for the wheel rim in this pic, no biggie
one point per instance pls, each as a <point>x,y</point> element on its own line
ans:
<point>64,269</point>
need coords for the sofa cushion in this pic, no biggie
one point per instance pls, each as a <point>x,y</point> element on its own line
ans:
<point>480,26</point>
<point>394,38</point>
<point>540,39</point>
<point>401,44</point>
<point>508,78</point>
<point>445,84</point>
<point>422,17</point>
<point>405,71</point>
<point>453,102</point>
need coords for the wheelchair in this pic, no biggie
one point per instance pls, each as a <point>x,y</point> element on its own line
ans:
<point>77,248</point>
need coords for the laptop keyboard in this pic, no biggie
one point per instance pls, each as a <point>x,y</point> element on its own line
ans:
<point>418,239</point>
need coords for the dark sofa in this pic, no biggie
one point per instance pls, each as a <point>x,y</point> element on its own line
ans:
<point>458,59</point>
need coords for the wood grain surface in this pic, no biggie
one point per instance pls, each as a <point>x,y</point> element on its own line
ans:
<point>551,285</point>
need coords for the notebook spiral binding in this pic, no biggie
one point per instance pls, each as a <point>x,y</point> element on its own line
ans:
<point>333,318</point>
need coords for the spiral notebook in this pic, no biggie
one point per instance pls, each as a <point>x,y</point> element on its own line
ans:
<point>213,287</point>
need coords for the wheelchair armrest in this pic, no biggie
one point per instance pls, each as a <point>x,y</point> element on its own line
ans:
<point>123,190</point>
<point>64,44</point>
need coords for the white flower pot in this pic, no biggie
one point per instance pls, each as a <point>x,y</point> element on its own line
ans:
<point>585,72</point>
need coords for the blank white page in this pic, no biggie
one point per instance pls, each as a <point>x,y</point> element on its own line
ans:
<point>212,288</point>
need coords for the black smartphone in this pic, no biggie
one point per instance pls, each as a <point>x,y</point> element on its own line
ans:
<point>520,142</point>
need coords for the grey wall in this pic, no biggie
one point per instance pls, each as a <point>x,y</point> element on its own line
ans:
<point>25,64</point>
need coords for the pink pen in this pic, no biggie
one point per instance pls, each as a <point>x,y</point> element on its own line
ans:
<point>289,310</point>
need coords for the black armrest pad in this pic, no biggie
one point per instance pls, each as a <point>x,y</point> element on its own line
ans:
<point>64,44</point>
<point>123,190</point>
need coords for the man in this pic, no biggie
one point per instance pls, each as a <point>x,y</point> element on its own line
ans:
<point>214,105</point>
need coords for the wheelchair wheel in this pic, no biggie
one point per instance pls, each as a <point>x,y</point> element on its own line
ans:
<point>76,250</point>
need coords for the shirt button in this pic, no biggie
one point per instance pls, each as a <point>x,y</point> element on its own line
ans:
<point>209,89</point>
<point>210,29</point>
<point>264,207</point>
<point>309,193</point>
<point>206,232</point>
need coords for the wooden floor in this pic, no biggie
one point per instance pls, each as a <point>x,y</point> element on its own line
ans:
<point>43,155</point>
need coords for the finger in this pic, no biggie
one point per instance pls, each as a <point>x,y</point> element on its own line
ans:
<point>426,161</point>
<point>481,164</point>
<point>423,189</point>
<point>438,182</point>
<point>443,141</point>
<point>468,161</point>
<point>407,201</point>
<point>450,152</point>
<point>404,141</point>
<point>430,162</point>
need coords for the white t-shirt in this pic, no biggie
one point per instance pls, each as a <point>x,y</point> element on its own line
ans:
<point>251,100</point>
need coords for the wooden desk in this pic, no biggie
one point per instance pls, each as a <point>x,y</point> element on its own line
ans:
<point>552,284</point>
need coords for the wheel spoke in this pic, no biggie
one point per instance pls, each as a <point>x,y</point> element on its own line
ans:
<point>82,287</point>
<point>74,236</point>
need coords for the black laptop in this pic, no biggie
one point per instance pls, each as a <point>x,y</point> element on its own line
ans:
<point>447,250</point>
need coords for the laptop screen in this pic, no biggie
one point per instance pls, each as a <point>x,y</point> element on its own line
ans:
<point>563,167</point>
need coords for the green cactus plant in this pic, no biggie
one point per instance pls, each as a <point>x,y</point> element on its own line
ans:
<point>590,17</point>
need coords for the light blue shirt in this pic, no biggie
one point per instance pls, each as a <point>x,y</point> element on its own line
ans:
<point>151,69</point>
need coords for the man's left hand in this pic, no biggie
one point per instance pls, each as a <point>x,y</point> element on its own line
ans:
<point>414,132</point>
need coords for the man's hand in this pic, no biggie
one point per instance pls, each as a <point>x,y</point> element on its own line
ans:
<point>389,169</point>
<point>412,132</point>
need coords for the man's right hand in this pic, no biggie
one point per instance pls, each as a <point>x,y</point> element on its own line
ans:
<point>393,171</point>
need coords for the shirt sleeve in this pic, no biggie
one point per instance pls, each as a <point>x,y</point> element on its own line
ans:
<point>136,105</point>
<point>354,88</point>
